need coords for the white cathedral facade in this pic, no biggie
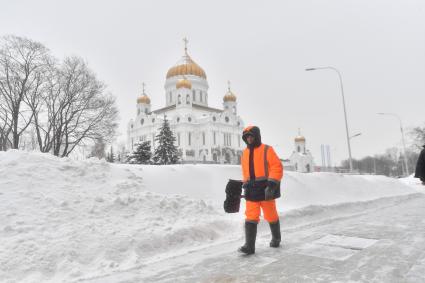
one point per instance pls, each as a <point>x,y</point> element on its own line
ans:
<point>203,134</point>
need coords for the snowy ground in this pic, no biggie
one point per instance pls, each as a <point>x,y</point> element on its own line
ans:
<point>81,221</point>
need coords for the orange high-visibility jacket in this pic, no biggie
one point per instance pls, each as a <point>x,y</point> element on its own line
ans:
<point>267,165</point>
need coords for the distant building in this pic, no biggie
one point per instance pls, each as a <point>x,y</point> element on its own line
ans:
<point>301,159</point>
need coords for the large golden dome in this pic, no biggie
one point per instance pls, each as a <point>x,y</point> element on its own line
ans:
<point>144,99</point>
<point>186,66</point>
<point>184,83</point>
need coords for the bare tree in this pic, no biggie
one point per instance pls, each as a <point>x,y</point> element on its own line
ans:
<point>418,135</point>
<point>82,111</point>
<point>22,63</point>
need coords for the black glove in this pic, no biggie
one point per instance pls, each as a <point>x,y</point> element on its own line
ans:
<point>269,193</point>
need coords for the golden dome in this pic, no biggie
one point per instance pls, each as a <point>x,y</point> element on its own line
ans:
<point>186,66</point>
<point>299,139</point>
<point>230,96</point>
<point>144,99</point>
<point>184,83</point>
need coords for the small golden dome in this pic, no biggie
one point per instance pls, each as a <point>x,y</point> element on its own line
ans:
<point>230,96</point>
<point>184,83</point>
<point>186,66</point>
<point>143,99</point>
<point>299,139</point>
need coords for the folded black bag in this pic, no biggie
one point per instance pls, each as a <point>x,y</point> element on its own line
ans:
<point>233,196</point>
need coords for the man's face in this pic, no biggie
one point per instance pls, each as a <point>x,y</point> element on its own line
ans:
<point>250,139</point>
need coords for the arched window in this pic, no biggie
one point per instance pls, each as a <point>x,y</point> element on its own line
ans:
<point>180,99</point>
<point>146,110</point>
<point>170,96</point>
<point>299,149</point>
<point>234,110</point>
<point>188,99</point>
<point>193,95</point>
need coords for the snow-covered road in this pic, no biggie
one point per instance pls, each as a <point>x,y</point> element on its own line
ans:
<point>375,241</point>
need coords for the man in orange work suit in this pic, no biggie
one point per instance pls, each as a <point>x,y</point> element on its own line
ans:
<point>262,171</point>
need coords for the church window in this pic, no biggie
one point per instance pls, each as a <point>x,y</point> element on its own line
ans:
<point>178,119</point>
<point>203,138</point>
<point>200,96</point>
<point>153,120</point>
<point>214,137</point>
<point>178,139</point>
<point>146,111</point>
<point>214,118</point>
<point>170,97</point>
<point>138,111</point>
<point>239,123</point>
<point>234,110</point>
<point>226,119</point>
<point>180,99</point>
<point>131,126</point>
<point>226,107</point>
<point>188,99</point>
<point>142,121</point>
<point>189,140</point>
<point>299,149</point>
<point>189,119</point>
<point>193,95</point>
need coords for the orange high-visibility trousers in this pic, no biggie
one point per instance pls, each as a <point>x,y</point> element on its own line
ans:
<point>253,210</point>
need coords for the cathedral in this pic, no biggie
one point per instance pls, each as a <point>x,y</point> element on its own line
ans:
<point>203,134</point>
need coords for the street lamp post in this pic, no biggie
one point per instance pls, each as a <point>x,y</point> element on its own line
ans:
<point>406,166</point>
<point>345,110</point>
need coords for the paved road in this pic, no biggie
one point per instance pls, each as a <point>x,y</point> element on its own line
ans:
<point>377,241</point>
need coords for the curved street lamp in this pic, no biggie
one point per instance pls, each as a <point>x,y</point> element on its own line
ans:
<point>345,110</point>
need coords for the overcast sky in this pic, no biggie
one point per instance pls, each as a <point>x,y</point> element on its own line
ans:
<point>263,48</point>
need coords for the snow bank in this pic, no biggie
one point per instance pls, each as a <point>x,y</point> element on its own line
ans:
<point>298,189</point>
<point>62,219</point>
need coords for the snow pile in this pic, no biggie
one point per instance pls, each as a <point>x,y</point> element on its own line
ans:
<point>298,189</point>
<point>62,219</point>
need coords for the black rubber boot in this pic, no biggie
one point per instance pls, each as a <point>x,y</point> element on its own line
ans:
<point>275,228</point>
<point>250,236</point>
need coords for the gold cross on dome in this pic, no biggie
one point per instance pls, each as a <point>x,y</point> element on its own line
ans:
<point>228,85</point>
<point>186,41</point>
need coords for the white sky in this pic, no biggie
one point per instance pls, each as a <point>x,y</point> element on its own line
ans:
<point>262,47</point>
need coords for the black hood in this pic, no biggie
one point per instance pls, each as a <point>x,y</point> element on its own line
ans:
<point>255,131</point>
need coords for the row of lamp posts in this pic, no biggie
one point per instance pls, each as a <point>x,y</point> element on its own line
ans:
<point>406,168</point>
